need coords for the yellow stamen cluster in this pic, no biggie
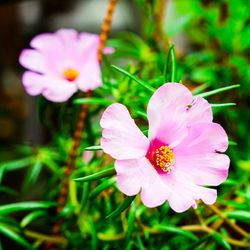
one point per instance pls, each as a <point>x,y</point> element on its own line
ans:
<point>164,158</point>
<point>71,74</point>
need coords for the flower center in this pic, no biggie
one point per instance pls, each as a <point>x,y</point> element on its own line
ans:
<point>71,74</point>
<point>161,157</point>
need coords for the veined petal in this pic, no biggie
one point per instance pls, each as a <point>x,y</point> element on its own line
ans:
<point>185,193</point>
<point>129,175</point>
<point>199,112</point>
<point>203,138</point>
<point>121,138</point>
<point>204,169</point>
<point>154,193</point>
<point>167,114</point>
<point>136,175</point>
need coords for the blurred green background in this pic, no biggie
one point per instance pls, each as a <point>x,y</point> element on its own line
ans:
<point>212,45</point>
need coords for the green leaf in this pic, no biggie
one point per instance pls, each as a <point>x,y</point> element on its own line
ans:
<point>102,174</point>
<point>17,164</point>
<point>131,220</point>
<point>93,233</point>
<point>139,241</point>
<point>32,176</point>
<point>124,205</point>
<point>173,57</point>
<point>243,216</point>
<point>93,148</point>
<point>198,242</point>
<point>85,195</point>
<point>219,90</point>
<point>93,100</point>
<point>221,241</point>
<point>199,89</point>
<point>4,229</point>
<point>232,143</point>
<point>2,169</point>
<point>141,113</point>
<point>22,206</point>
<point>166,63</point>
<point>145,85</point>
<point>218,105</point>
<point>176,230</point>
<point>104,185</point>
<point>31,217</point>
<point>8,190</point>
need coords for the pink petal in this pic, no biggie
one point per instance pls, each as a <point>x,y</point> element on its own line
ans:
<point>204,169</point>
<point>154,193</point>
<point>108,50</point>
<point>129,176</point>
<point>184,193</point>
<point>91,41</point>
<point>203,138</point>
<point>121,138</point>
<point>46,42</point>
<point>88,42</point>
<point>167,114</point>
<point>33,60</point>
<point>90,76</point>
<point>33,82</point>
<point>136,175</point>
<point>67,36</point>
<point>58,90</point>
<point>200,111</point>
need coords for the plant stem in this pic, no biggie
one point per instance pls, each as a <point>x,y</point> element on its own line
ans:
<point>80,125</point>
<point>234,226</point>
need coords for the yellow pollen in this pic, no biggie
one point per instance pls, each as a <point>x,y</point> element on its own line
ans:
<point>71,74</point>
<point>164,158</point>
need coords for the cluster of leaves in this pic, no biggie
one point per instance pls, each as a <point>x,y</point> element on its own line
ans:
<point>94,216</point>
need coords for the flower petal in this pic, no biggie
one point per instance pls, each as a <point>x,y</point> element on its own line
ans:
<point>88,42</point>
<point>90,76</point>
<point>33,82</point>
<point>46,42</point>
<point>204,169</point>
<point>167,114</point>
<point>203,138</point>
<point>67,36</point>
<point>129,176</point>
<point>58,90</point>
<point>136,175</point>
<point>200,111</point>
<point>184,193</point>
<point>121,138</point>
<point>33,60</point>
<point>154,193</point>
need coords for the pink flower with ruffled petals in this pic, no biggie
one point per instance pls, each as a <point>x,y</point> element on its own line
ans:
<point>181,156</point>
<point>60,63</point>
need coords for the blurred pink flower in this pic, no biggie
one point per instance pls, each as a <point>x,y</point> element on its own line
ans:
<point>182,154</point>
<point>60,63</point>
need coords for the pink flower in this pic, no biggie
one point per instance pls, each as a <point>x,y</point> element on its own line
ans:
<point>60,63</point>
<point>182,154</point>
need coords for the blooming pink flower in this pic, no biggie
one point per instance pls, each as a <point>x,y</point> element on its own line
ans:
<point>182,154</point>
<point>60,63</point>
